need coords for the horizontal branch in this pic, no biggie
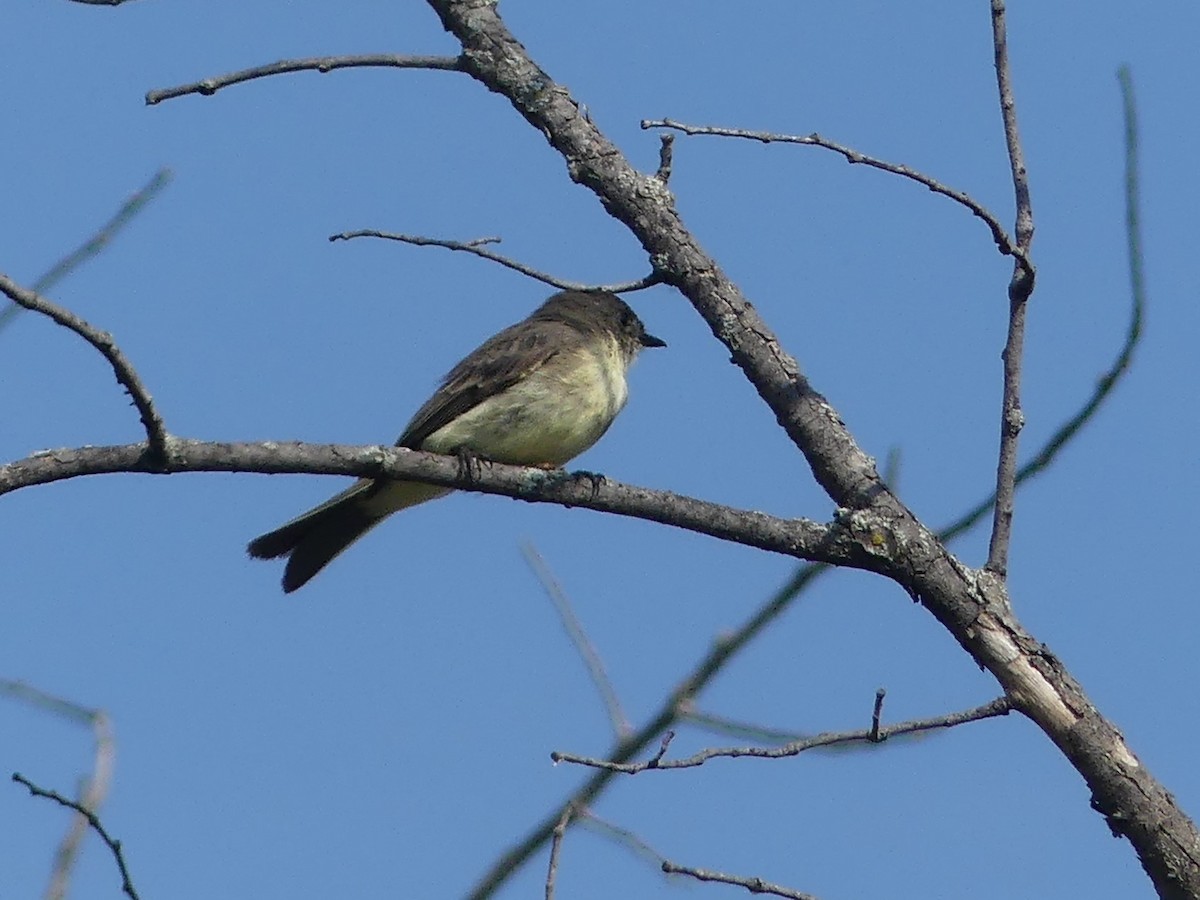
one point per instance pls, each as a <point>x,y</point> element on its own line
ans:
<point>210,86</point>
<point>753,884</point>
<point>799,538</point>
<point>998,707</point>
<point>477,248</point>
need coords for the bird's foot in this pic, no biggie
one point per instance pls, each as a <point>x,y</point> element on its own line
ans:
<point>470,464</point>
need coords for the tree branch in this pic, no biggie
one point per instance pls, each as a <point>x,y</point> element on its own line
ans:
<point>93,820</point>
<point>840,543</point>
<point>210,86</point>
<point>476,247</point>
<point>998,707</point>
<point>973,606</point>
<point>579,640</point>
<point>1004,243</point>
<point>97,241</point>
<point>127,377</point>
<point>1020,287</point>
<point>754,885</point>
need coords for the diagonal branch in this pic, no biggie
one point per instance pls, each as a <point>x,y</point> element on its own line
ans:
<point>97,241</point>
<point>1004,243</point>
<point>210,86</point>
<point>476,247</point>
<point>127,377</point>
<point>583,645</point>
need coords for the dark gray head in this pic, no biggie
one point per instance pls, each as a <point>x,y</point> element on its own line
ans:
<point>598,312</point>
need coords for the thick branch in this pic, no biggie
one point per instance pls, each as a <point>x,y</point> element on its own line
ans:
<point>800,538</point>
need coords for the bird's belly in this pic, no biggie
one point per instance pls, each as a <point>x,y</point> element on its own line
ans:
<point>548,418</point>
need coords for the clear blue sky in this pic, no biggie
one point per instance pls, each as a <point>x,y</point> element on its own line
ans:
<point>386,731</point>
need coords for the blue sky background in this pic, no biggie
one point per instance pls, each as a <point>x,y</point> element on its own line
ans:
<point>386,731</point>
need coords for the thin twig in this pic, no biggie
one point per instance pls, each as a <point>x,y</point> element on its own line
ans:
<point>210,86</point>
<point>875,736</point>
<point>663,745</point>
<point>619,835</point>
<point>1020,287</point>
<point>555,846</point>
<point>751,731</point>
<point>127,377</point>
<point>583,645</point>
<point>95,788</point>
<point>754,885</point>
<point>1004,243</point>
<point>997,707</point>
<point>93,820</point>
<point>96,242</point>
<point>476,248</point>
<point>101,2</point>
<point>1133,226</point>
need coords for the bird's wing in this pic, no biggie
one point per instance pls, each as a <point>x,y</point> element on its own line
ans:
<point>498,364</point>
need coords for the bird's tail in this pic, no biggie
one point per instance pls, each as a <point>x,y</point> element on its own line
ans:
<point>312,540</point>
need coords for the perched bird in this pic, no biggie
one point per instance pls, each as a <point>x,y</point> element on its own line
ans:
<point>539,393</point>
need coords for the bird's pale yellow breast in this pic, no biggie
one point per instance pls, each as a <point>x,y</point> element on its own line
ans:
<point>550,416</point>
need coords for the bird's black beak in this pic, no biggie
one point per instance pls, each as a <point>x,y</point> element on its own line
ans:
<point>649,340</point>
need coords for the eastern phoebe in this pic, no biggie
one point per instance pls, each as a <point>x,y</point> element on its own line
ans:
<point>539,393</point>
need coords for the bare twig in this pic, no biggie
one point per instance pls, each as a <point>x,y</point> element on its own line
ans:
<point>93,820</point>
<point>998,707</point>
<point>663,745</point>
<point>476,248</point>
<point>583,646</point>
<point>619,835</point>
<point>1004,243</point>
<point>210,86</point>
<point>751,731</point>
<point>754,885</point>
<point>1133,226</point>
<point>1020,287</point>
<point>555,847</point>
<point>127,377</point>
<point>101,2</point>
<point>95,788</point>
<point>876,715</point>
<point>666,155</point>
<point>96,242</point>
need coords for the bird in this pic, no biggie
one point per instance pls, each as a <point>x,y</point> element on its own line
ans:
<point>538,393</point>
